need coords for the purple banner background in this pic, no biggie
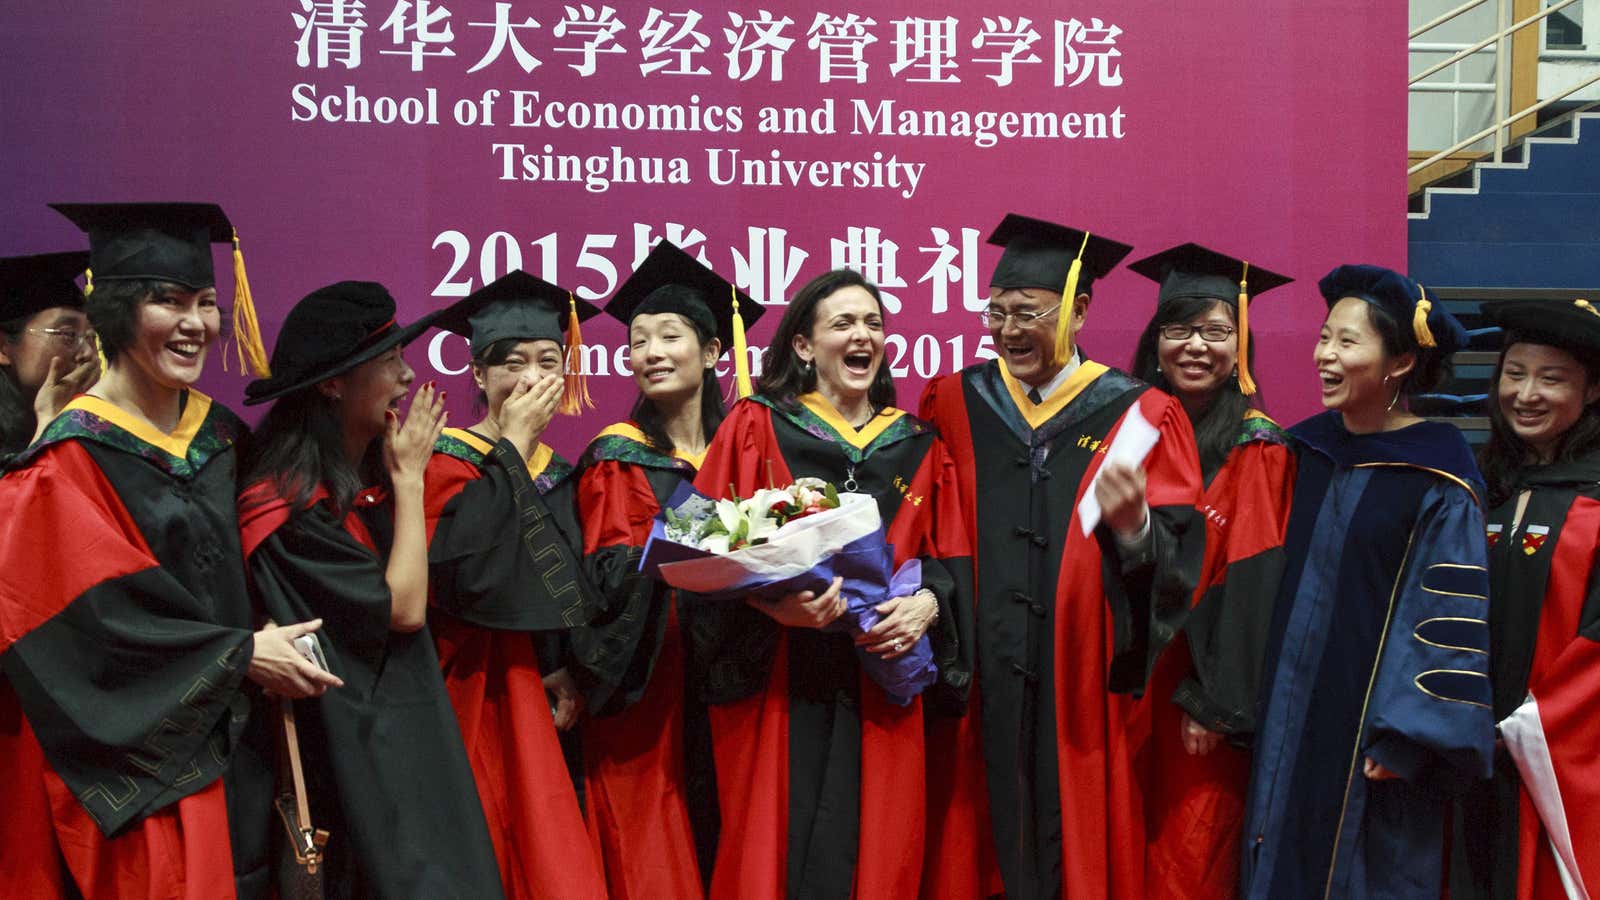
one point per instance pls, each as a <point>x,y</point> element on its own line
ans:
<point>1274,133</point>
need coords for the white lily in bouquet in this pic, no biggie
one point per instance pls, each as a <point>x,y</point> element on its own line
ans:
<point>793,538</point>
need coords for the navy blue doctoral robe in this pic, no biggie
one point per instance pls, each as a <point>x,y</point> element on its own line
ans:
<point>1378,648</point>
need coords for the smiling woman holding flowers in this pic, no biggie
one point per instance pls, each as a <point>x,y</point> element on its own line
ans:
<point>793,715</point>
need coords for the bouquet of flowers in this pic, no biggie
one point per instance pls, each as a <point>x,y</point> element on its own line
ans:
<point>796,538</point>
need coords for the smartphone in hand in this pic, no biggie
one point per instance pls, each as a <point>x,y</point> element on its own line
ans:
<point>311,648</point>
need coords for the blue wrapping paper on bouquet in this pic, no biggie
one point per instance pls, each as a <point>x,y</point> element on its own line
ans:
<point>804,554</point>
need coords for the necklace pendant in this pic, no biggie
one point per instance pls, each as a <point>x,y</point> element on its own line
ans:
<point>850,479</point>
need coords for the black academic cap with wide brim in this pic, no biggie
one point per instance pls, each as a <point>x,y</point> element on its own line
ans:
<point>32,284</point>
<point>1398,296</point>
<point>1039,254</point>
<point>671,281</point>
<point>516,305</point>
<point>329,332</point>
<point>1569,324</point>
<point>1190,270</point>
<point>155,241</point>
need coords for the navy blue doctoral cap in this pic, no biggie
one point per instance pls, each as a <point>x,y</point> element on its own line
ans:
<point>1399,296</point>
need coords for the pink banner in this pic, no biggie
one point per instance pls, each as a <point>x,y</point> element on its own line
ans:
<point>433,144</point>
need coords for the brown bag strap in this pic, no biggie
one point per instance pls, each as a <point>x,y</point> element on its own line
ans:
<point>291,741</point>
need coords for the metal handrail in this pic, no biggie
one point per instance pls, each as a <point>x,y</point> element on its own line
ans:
<point>1461,145</point>
<point>1499,35</point>
<point>1465,7</point>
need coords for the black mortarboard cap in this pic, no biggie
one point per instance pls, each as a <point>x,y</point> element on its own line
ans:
<point>671,281</point>
<point>516,305</point>
<point>1039,254</point>
<point>170,242</point>
<point>1570,324</point>
<point>31,284</point>
<point>1399,296</point>
<point>1190,270</point>
<point>330,331</point>
<point>156,241</point>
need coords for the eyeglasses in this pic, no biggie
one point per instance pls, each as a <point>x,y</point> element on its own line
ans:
<point>994,318</point>
<point>66,337</point>
<point>1211,332</point>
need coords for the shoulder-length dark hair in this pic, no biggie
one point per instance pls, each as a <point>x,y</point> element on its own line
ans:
<point>1505,454</point>
<point>300,445</point>
<point>1218,427</point>
<point>712,411</point>
<point>783,376</point>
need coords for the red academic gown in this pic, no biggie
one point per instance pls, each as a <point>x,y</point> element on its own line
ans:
<point>1195,804</point>
<point>1067,627</point>
<point>820,776</point>
<point>126,633</point>
<point>1544,619</point>
<point>638,782</point>
<point>491,540</point>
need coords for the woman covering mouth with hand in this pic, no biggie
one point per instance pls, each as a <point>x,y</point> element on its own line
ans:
<point>46,349</point>
<point>1542,465</point>
<point>792,715</point>
<point>647,755</point>
<point>332,516</point>
<point>1376,690</point>
<point>506,581</point>
<point>1198,347</point>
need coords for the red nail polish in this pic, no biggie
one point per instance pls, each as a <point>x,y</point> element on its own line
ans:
<point>443,395</point>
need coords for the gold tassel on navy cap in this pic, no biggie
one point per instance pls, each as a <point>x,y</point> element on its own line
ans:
<point>94,336</point>
<point>741,354</point>
<point>246,330</point>
<point>1069,299</point>
<point>1419,319</point>
<point>575,390</point>
<point>1247,385</point>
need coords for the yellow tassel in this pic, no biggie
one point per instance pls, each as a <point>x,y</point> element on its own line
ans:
<point>1586,305</point>
<point>741,352</point>
<point>575,391</point>
<point>1247,385</point>
<point>246,330</point>
<point>1419,319</point>
<point>99,352</point>
<point>1069,300</point>
<point>88,282</point>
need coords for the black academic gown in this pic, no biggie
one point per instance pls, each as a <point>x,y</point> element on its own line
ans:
<point>128,634</point>
<point>1543,592</point>
<point>385,767</point>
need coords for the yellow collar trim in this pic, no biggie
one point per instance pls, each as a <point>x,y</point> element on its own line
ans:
<point>474,441</point>
<point>1439,472</point>
<point>1037,415</point>
<point>177,443</point>
<point>1258,414</point>
<point>541,460</point>
<point>870,432</point>
<point>631,432</point>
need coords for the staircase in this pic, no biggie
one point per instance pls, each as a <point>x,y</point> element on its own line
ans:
<point>1531,222</point>
<point>1525,228</point>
